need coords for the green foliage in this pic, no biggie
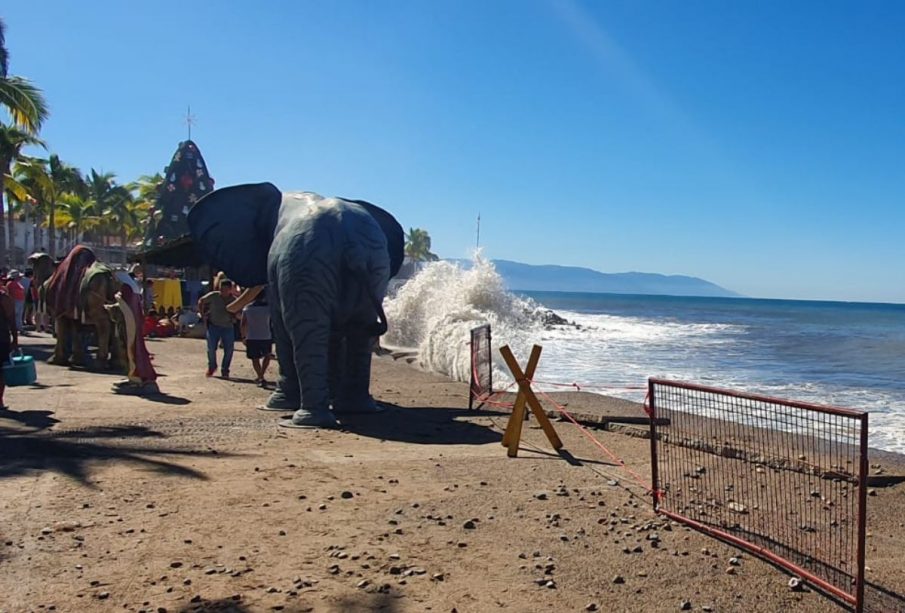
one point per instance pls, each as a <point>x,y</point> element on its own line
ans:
<point>24,102</point>
<point>418,246</point>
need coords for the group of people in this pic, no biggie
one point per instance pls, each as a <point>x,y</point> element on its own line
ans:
<point>225,324</point>
<point>18,297</point>
<point>169,322</point>
<point>23,292</point>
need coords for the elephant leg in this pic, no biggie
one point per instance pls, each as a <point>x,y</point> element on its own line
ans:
<point>77,334</point>
<point>353,393</point>
<point>118,350</point>
<point>287,394</point>
<point>61,351</point>
<point>310,335</point>
<point>307,293</point>
<point>102,327</point>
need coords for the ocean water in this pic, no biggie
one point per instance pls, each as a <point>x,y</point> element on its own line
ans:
<point>845,354</point>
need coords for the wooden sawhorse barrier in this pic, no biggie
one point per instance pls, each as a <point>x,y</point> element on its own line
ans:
<point>513,434</point>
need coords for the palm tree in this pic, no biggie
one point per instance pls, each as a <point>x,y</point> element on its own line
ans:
<point>418,246</point>
<point>64,178</point>
<point>147,188</point>
<point>124,215</point>
<point>101,193</point>
<point>27,109</point>
<point>33,187</point>
<point>145,192</point>
<point>75,214</point>
<point>22,100</point>
<point>12,140</point>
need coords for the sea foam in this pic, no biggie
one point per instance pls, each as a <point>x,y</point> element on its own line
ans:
<point>436,310</point>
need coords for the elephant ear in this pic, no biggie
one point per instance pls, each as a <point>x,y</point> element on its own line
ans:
<point>393,231</point>
<point>233,228</point>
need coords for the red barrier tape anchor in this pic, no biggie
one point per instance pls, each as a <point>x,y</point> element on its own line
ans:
<point>638,479</point>
<point>578,387</point>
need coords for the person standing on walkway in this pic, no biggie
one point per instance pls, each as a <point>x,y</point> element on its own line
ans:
<point>212,308</point>
<point>28,284</point>
<point>258,339</point>
<point>17,293</point>
<point>9,337</point>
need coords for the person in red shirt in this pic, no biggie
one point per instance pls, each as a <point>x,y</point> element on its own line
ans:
<point>9,338</point>
<point>150,323</point>
<point>16,291</point>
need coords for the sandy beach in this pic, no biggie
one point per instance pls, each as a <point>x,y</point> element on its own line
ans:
<point>195,501</point>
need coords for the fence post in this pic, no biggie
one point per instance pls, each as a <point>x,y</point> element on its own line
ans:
<point>652,414</point>
<point>481,367</point>
<point>863,470</point>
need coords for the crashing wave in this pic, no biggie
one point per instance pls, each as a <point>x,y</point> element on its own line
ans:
<point>436,310</point>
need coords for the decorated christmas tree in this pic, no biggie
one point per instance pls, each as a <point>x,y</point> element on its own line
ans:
<point>185,182</point>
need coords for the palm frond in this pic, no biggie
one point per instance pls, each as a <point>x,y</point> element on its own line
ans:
<point>12,140</point>
<point>15,188</point>
<point>25,103</point>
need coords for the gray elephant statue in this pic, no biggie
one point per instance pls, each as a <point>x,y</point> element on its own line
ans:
<point>326,263</point>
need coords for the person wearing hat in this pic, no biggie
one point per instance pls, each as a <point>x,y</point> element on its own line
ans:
<point>16,292</point>
<point>220,322</point>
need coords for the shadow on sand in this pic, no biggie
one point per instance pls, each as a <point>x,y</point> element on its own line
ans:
<point>41,350</point>
<point>33,420</point>
<point>878,598</point>
<point>161,398</point>
<point>73,453</point>
<point>425,426</point>
<point>444,426</point>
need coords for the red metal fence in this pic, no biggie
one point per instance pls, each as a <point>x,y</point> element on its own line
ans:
<point>481,366</point>
<point>783,480</point>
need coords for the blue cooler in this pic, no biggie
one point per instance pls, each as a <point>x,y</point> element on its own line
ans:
<point>21,371</point>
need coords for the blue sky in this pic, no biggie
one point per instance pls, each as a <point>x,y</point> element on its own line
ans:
<point>759,145</point>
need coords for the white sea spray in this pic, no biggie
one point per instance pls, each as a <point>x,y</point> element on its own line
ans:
<point>436,310</point>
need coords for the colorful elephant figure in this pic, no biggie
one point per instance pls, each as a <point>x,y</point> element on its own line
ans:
<point>326,263</point>
<point>75,296</point>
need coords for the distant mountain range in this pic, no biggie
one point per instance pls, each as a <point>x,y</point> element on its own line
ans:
<point>529,277</point>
